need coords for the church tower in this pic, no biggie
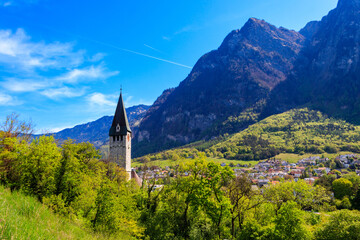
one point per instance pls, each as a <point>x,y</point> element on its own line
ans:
<point>120,138</point>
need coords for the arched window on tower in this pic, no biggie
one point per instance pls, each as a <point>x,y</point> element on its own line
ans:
<point>113,138</point>
<point>118,138</point>
<point>121,137</point>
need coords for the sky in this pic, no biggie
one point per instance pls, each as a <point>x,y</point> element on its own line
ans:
<point>62,63</point>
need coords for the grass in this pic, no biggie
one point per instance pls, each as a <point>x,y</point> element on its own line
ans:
<point>294,158</point>
<point>23,217</point>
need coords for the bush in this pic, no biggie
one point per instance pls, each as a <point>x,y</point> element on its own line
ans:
<point>342,187</point>
<point>344,224</point>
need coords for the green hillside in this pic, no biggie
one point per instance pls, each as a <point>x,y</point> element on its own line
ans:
<point>299,132</point>
<point>24,217</point>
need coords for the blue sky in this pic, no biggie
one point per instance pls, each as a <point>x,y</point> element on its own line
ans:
<point>62,62</point>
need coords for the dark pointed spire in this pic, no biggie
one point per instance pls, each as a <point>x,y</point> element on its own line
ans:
<point>120,125</point>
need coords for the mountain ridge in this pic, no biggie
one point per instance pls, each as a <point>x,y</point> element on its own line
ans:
<point>97,132</point>
<point>224,82</point>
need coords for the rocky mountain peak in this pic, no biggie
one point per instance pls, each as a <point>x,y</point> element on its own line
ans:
<point>250,62</point>
<point>310,29</point>
<point>258,34</point>
<point>349,4</point>
<point>327,77</point>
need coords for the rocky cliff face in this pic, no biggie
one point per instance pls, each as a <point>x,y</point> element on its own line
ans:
<point>241,72</point>
<point>326,76</point>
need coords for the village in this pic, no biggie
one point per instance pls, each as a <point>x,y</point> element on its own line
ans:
<point>272,171</point>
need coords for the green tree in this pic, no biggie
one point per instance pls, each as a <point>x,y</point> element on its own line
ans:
<point>343,224</point>
<point>342,187</point>
<point>356,200</point>
<point>306,196</point>
<point>14,135</point>
<point>326,181</point>
<point>243,199</point>
<point>116,212</point>
<point>38,166</point>
<point>78,178</point>
<point>289,223</point>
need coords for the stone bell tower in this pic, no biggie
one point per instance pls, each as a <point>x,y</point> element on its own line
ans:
<point>120,138</point>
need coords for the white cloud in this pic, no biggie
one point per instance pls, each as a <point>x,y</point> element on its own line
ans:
<point>89,73</point>
<point>7,100</point>
<point>189,28</point>
<point>17,51</point>
<point>7,4</point>
<point>58,129</point>
<point>102,100</point>
<point>55,70</point>
<point>16,2</point>
<point>166,38</point>
<point>55,93</point>
<point>23,85</point>
<point>97,57</point>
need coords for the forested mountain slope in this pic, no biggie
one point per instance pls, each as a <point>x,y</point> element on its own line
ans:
<point>297,131</point>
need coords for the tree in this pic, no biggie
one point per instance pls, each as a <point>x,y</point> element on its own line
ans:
<point>306,196</point>
<point>13,127</point>
<point>14,134</point>
<point>289,223</point>
<point>116,212</point>
<point>9,160</point>
<point>38,166</point>
<point>78,178</point>
<point>342,187</point>
<point>243,199</point>
<point>343,224</point>
<point>326,181</point>
<point>356,200</point>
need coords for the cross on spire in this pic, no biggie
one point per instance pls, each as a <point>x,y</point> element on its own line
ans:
<point>121,89</point>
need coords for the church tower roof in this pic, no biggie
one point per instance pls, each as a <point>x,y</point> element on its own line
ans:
<point>120,125</point>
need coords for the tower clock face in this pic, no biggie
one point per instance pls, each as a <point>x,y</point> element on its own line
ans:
<point>118,128</point>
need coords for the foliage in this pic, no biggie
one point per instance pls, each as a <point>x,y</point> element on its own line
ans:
<point>297,131</point>
<point>306,196</point>
<point>73,182</point>
<point>201,200</point>
<point>289,223</point>
<point>343,224</point>
<point>342,187</point>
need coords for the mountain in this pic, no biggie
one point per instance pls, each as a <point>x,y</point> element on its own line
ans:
<point>326,75</point>
<point>239,75</point>
<point>97,132</point>
<point>258,71</point>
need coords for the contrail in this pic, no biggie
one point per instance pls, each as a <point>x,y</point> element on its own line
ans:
<point>134,52</point>
<point>107,44</point>
<point>137,53</point>
<point>152,48</point>
<point>160,59</point>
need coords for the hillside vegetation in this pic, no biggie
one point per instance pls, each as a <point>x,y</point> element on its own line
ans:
<point>298,131</point>
<point>24,217</point>
<point>90,199</point>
